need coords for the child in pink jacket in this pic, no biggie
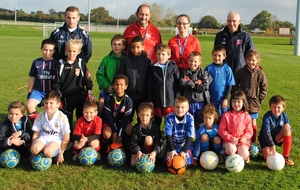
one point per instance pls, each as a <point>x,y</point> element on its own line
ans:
<point>235,127</point>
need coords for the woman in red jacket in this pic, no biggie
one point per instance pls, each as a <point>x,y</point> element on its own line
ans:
<point>183,43</point>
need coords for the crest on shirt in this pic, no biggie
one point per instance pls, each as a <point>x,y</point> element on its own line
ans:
<point>238,42</point>
<point>133,33</point>
<point>88,74</point>
<point>186,78</point>
<point>99,68</point>
<point>122,110</point>
<point>77,71</point>
<point>56,125</point>
<point>148,36</point>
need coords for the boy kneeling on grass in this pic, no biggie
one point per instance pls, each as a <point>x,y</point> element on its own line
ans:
<point>51,129</point>
<point>276,130</point>
<point>87,130</point>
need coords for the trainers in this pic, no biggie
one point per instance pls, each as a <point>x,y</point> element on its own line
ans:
<point>288,161</point>
<point>75,157</point>
<point>98,156</point>
<point>247,160</point>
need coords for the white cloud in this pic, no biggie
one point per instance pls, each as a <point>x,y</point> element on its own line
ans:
<point>196,9</point>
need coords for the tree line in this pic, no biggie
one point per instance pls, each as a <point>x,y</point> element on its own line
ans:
<point>160,17</point>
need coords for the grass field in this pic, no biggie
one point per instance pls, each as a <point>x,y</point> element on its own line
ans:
<point>21,45</point>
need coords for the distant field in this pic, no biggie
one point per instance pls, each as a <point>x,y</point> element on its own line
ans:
<point>21,45</point>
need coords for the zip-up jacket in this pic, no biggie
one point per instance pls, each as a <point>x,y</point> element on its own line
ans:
<point>237,45</point>
<point>254,84</point>
<point>72,78</point>
<point>62,35</point>
<point>7,128</point>
<point>195,85</point>
<point>163,85</point>
<point>137,69</point>
<point>108,69</point>
<point>139,134</point>
<point>117,116</point>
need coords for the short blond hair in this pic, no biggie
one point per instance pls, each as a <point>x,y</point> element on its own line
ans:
<point>74,42</point>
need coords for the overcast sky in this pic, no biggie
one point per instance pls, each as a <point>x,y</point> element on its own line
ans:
<point>285,10</point>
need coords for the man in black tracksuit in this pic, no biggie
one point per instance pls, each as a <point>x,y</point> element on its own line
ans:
<point>236,41</point>
<point>71,30</point>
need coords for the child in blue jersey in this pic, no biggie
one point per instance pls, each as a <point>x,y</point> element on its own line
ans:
<point>207,135</point>
<point>276,130</point>
<point>180,131</point>
<point>223,79</point>
<point>41,74</point>
<point>15,131</point>
<point>108,69</point>
<point>194,83</point>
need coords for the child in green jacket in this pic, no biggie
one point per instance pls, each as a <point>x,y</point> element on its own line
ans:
<point>108,68</point>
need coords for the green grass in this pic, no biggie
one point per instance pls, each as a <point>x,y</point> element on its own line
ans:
<point>21,45</point>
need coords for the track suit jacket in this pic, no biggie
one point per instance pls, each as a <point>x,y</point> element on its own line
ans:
<point>192,44</point>
<point>117,116</point>
<point>237,45</point>
<point>195,92</point>
<point>151,36</point>
<point>7,128</point>
<point>62,35</point>
<point>139,134</point>
<point>72,78</point>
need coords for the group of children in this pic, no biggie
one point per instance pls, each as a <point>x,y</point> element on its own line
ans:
<point>194,104</point>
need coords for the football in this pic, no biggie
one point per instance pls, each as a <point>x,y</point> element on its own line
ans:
<point>234,163</point>
<point>209,160</point>
<point>254,150</point>
<point>40,163</point>
<point>144,164</point>
<point>275,162</point>
<point>116,157</point>
<point>10,158</point>
<point>177,165</point>
<point>87,156</point>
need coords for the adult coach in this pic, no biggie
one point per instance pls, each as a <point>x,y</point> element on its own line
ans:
<point>236,41</point>
<point>184,43</point>
<point>71,30</point>
<point>144,28</point>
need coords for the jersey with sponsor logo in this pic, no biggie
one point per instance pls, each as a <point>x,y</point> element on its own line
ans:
<point>43,71</point>
<point>56,127</point>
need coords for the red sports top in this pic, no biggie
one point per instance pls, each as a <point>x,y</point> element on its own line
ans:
<point>88,129</point>
<point>151,35</point>
<point>192,44</point>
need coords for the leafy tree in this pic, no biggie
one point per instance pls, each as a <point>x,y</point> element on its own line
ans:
<point>51,11</point>
<point>99,15</point>
<point>157,13</point>
<point>209,22</point>
<point>40,16</point>
<point>170,17</point>
<point>131,19</point>
<point>262,20</point>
